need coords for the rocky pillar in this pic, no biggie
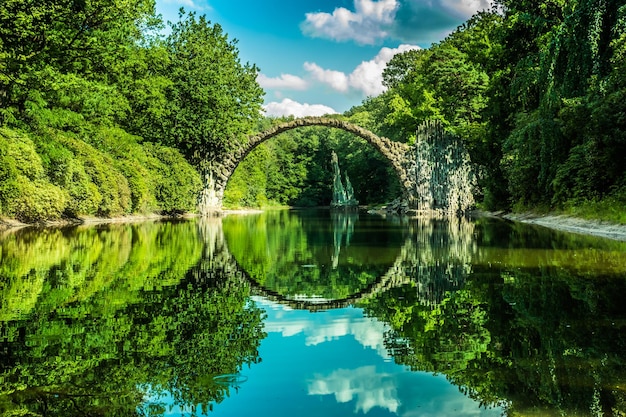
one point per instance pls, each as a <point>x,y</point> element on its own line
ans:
<point>210,199</point>
<point>443,177</point>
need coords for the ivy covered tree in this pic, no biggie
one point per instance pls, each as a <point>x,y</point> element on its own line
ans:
<point>214,99</point>
<point>556,60</point>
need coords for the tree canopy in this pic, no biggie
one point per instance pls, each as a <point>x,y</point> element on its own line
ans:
<point>104,115</point>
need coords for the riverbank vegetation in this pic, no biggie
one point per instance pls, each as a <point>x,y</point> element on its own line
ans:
<point>535,89</point>
<point>100,115</point>
<point>98,111</point>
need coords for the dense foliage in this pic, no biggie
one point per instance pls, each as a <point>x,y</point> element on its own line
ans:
<point>535,89</point>
<point>103,116</point>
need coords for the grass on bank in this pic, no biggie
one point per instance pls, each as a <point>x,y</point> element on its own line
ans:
<point>611,209</point>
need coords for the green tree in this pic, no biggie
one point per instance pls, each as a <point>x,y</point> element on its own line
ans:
<point>47,46</point>
<point>558,56</point>
<point>213,100</point>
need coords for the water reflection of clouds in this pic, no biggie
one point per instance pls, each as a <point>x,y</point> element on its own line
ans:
<point>352,378</point>
<point>405,394</point>
<point>327,326</point>
<point>365,385</point>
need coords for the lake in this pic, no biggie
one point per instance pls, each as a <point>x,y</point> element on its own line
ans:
<point>309,313</point>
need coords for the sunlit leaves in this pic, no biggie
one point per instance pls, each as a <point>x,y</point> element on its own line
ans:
<point>71,38</point>
<point>213,99</point>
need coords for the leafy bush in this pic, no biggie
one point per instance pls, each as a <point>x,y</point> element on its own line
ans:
<point>25,192</point>
<point>36,201</point>
<point>8,174</point>
<point>65,170</point>
<point>21,151</point>
<point>58,174</point>
<point>100,168</point>
<point>176,182</point>
<point>160,179</point>
<point>609,208</point>
<point>131,160</point>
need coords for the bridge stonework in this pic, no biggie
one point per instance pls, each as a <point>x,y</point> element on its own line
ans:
<point>403,158</point>
<point>396,152</point>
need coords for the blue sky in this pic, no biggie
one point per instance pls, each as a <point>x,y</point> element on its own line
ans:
<point>325,56</point>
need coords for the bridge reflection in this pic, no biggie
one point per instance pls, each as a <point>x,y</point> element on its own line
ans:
<point>435,258</point>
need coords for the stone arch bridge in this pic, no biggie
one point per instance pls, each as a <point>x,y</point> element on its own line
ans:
<point>415,179</point>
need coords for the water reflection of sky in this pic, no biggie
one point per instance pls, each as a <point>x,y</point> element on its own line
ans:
<point>334,363</point>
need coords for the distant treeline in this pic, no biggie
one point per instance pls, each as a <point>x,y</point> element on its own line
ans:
<point>119,119</point>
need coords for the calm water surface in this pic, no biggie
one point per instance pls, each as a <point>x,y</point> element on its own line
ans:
<point>309,313</point>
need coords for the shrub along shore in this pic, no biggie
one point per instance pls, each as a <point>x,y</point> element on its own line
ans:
<point>56,176</point>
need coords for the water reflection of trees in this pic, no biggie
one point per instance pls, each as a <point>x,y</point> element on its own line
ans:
<point>101,321</point>
<point>84,334</point>
<point>538,329</point>
<point>439,256</point>
<point>311,255</point>
<point>342,265</point>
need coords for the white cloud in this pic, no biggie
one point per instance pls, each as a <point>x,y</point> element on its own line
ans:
<point>288,107</point>
<point>372,21</point>
<point>285,81</point>
<point>366,25</point>
<point>336,79</point>
<point>366,78</point>
<point>369,332</point>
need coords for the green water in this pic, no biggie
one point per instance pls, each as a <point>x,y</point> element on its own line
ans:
<point>309,313</point>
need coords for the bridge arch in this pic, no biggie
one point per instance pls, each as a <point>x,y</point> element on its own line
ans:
<point>395,152</point>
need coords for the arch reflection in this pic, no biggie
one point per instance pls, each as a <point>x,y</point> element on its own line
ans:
<point>319,261</point>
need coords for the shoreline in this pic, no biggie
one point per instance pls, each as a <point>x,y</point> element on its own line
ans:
<point>12,224</point>
<point>7,224</point>
<point>570,224</point>
<point>557,222</point>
